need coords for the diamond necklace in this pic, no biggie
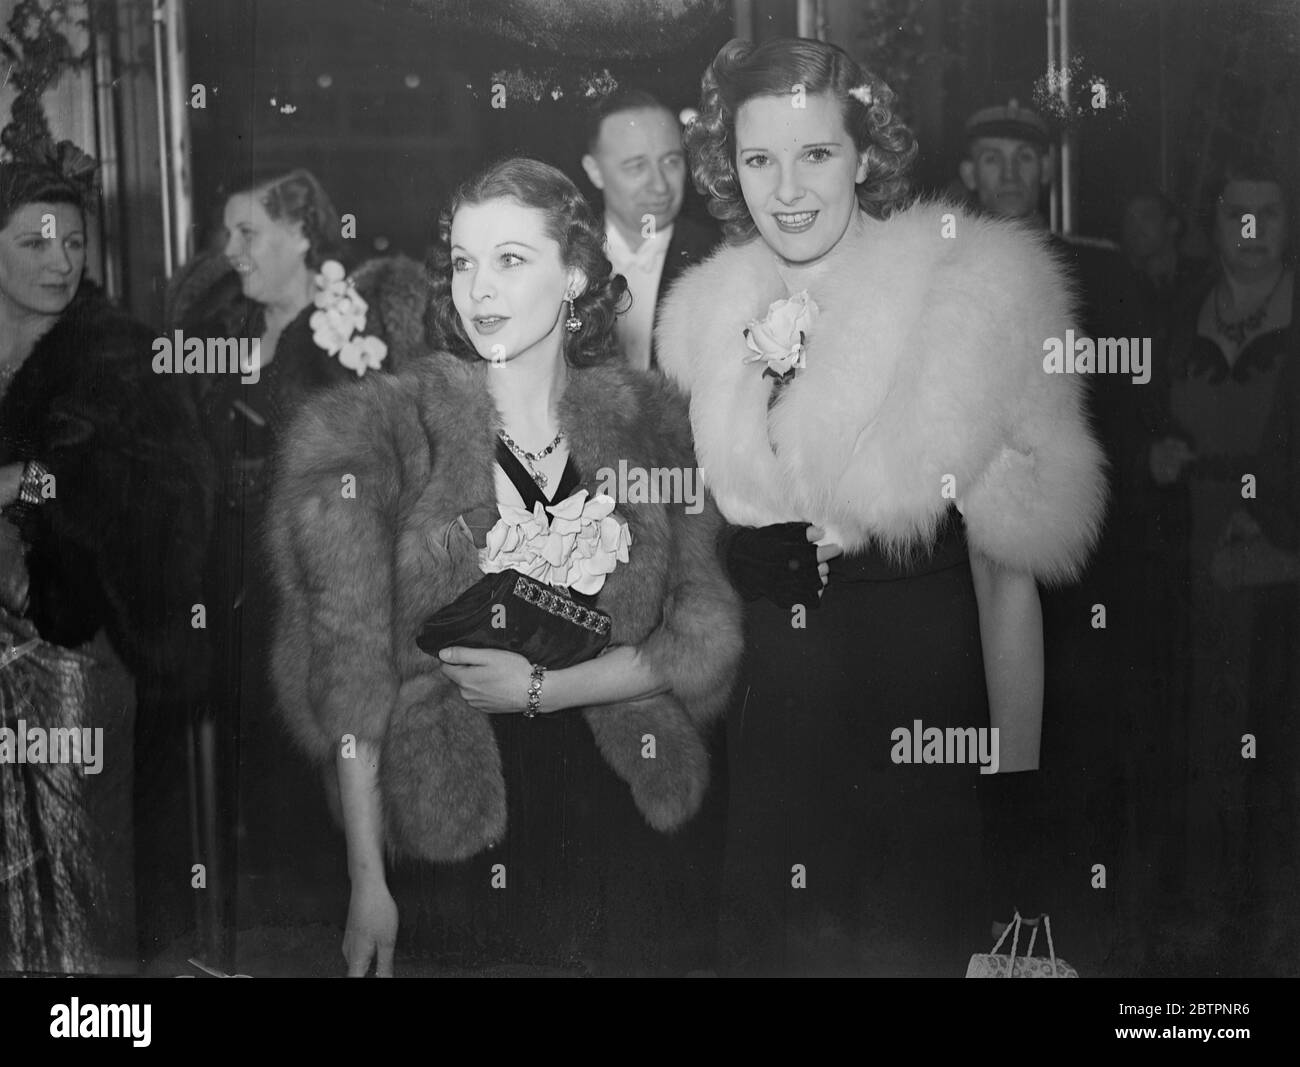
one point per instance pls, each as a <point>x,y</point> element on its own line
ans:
<point>532,457</point>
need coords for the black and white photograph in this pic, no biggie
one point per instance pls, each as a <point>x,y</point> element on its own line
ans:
<point>650,488</point>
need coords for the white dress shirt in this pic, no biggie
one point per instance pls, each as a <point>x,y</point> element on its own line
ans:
<point>642,269</point>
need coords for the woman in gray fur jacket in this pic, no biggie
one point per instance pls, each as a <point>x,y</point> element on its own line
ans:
<point>534,838</point>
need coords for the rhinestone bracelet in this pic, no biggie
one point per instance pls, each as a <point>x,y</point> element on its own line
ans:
<point>32,484</point>
<point>535,691</point>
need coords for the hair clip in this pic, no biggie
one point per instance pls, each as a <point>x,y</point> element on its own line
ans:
<point>862,94</point>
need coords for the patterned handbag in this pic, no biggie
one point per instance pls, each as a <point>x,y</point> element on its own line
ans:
<point>512,612</point>
<point>993,965</point>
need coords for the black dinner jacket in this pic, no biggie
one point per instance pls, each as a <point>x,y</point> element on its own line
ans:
<point>689,244</point>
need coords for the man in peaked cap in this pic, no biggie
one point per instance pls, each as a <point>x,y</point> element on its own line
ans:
<point>1007,162</point>
<point>1007,166</point>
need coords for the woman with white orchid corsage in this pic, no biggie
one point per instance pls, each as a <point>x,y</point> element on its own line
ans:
<point>899,476</point>
<point>531,807</point>
<point>277,295</point>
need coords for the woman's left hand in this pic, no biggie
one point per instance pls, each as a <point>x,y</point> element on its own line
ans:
<point>11,477</point>
<point>490,680</point>
<point>13,569</point>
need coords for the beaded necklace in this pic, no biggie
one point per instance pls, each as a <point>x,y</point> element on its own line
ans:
<point>532,457</point>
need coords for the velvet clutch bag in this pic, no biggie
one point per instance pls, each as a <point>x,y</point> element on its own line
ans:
<point>515,613</point>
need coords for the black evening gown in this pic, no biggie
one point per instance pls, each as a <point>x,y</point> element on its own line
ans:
<point>589,887</point>
<point>840,861</point>
<point>269,812</point>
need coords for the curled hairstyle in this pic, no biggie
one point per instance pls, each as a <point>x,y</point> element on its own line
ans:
<point>742,71</point>
<point>23,183</point>
<point>299,197</point>
<point>570,222</point>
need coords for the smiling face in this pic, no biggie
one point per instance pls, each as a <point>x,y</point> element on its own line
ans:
<point>269,255</point>
<point>640,166</point>
<point>42,256</point>
<point>1006,175</point>
<point>798,169</point>
<point>508,280</point>
<point>1261,254</point>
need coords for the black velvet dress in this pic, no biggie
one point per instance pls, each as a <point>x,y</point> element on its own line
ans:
<point>839,860</point>
<point>580,883</point>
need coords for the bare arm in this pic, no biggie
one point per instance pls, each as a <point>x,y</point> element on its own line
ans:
<point>1011,630</point>
<point>495,681</point>
<point>621,674</point>
<point>372,914</point>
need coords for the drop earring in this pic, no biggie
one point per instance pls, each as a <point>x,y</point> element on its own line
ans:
<point>573,324</point>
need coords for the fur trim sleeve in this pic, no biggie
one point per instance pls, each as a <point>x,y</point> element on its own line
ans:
<point>1039,505</point>
<point>1039,502</point>
<point>332,519</point>
<point>697,645</point>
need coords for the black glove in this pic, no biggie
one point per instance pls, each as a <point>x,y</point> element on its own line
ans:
<point>777,562</point>
<point>1019,852</point>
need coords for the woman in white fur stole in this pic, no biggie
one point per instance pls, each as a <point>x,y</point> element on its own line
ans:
<point>870,408</point>
<point>532,834</point>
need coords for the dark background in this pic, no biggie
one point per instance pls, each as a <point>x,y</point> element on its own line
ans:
<point>391,99</point>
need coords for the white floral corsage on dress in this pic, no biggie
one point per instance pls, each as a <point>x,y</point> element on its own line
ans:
<point>576,547</point>
<point>338,323</point>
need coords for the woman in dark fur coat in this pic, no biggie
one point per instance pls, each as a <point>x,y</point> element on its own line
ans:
<point>533,838</point>
<point>101,485</point>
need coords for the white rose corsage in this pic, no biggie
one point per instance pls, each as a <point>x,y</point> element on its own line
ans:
<point>779,338</point>
<point>576,547</point>
<point>338,323</point>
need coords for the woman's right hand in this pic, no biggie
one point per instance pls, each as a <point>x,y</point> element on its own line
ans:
<point>825,553</point>
<point>1168,458</point>
<point>780,562</point>
<point>372,930</point>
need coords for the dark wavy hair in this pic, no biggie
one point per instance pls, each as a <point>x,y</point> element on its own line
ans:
<point>299,197</point>
<point>24,183</point>
<point>742,71</point>
<point>1246,165</point>
<point>570,222</point>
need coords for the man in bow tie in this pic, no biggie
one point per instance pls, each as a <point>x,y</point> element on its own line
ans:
<point>636,159</point>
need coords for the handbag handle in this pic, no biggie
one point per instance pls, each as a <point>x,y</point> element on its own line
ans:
<point>1015,941</point>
